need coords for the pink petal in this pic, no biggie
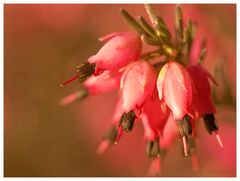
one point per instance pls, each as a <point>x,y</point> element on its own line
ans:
<point>160,80</point>
<point>121,49</point>
<point>170,133</point>
<point>154,116</point>
<point>105,82</point>
<point>202,101</point>
<point>138,83</point>
<point>177,89</point>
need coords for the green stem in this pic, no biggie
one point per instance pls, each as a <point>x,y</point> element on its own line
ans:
<point>151,55</point>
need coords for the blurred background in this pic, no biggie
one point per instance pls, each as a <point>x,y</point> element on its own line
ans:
<point>42,45</point>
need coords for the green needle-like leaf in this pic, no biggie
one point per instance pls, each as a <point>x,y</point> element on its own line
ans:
<point>179,25</point>
<point>132,22</point>
<point>158,24</point>
<point>151,13</point>
<point>147,27</point>
<point>163,28</point>
<point>203,52</point>
<point>150,41</point>
<point>190,36</point>
<point>189,27</point>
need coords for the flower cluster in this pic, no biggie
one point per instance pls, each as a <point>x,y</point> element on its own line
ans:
<point>168,96</point>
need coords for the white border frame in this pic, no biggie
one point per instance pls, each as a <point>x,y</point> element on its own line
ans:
<point>115,2</point>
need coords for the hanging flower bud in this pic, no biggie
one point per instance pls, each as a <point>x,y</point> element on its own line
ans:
<point>175,88</point>
<point>202,105</point>
<point>121,49</point>
<point>112,134</point>
<point>153,151</point>
<point>137,85</point>
<point>154,116</point>
<point>168,135</point>
<point>94,85</point>
<point>108,140</point>
<point>201,101</point>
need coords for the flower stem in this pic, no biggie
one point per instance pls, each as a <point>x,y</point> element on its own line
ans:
<point>151,55</point>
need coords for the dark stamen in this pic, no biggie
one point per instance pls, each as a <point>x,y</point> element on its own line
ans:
<point>153,149</point>
<point>210,123</point>
<point>184,126</point>
<point>127,121</point>
<point>85,70</point>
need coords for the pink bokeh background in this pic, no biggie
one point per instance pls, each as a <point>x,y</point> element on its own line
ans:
<point>42,44</point>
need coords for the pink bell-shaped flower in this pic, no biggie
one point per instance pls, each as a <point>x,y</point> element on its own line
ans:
<point>201,101</point>
<point>175,88</point>
<point>121,49</point>
<point>169,134</point>
<point>202,105</point>
<point>137,85</point>
<point>106,82</point>
<point>154,116</point>
<point>112,134</point>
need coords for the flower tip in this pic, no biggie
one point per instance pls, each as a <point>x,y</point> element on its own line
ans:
<point>102,147</point>
<point>63,102</point>
<point>155,167</point>
<point>195,165</point>
<point>219,139</point>
<point>72,97</point>
<point>119,134</point>
<point>69,80</point>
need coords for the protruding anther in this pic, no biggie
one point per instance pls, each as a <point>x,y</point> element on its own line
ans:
<point>69,80</point>
<point>194,160</point>
<point>102,147</point>
<point>211,123</point>
<point>185,145</point>
<point>120,132</point>
<point>127,121</point>
<point>155,167</point>
<point>219,139</point>
<point>185,127</point>
<point>153,149</point>
<point>74,96</point>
